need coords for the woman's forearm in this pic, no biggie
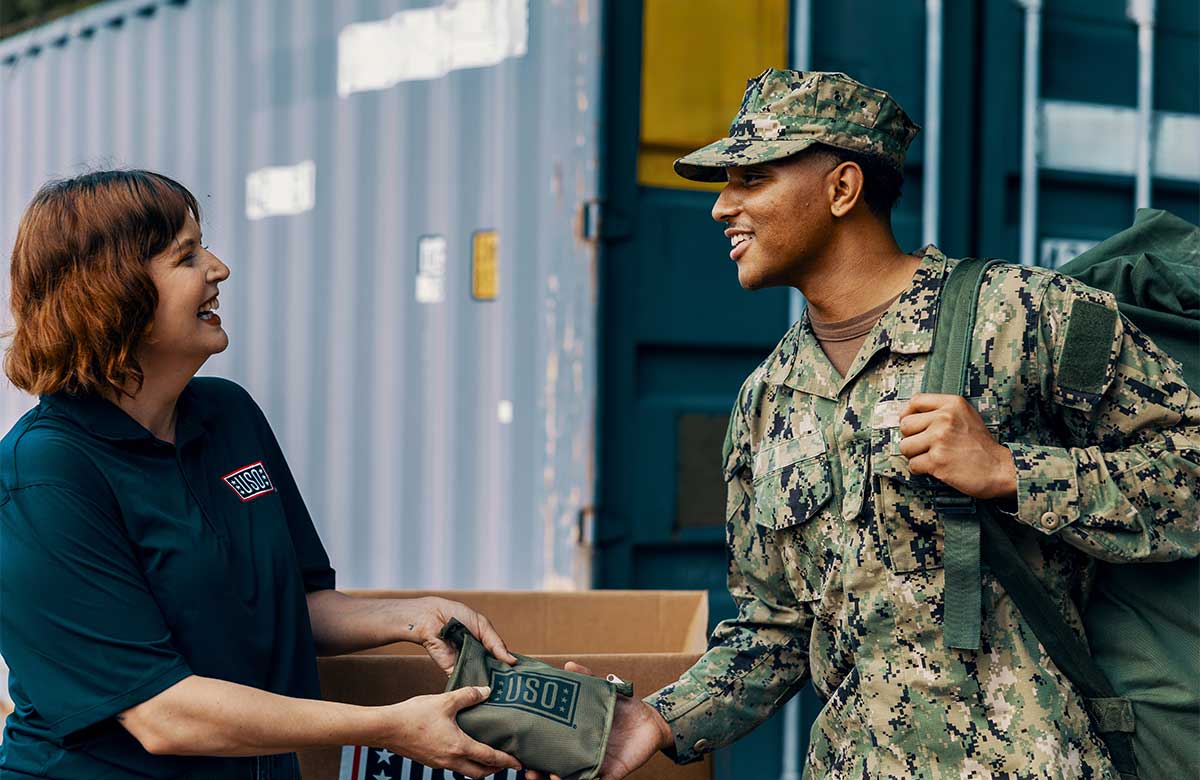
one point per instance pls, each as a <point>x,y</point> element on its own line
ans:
<point>204,716</point>
<point>344,624</point>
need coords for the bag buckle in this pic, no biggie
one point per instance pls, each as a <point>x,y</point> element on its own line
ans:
<point>954,504</point>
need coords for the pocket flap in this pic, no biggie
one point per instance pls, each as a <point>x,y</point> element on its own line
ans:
<point>792,493</point>
<point>775,456</point>
<point>887,461</point>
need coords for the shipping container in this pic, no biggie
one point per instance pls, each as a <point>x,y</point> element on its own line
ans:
<point>497,337</point>
<point>397,188</point>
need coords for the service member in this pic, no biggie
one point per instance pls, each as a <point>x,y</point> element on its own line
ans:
<point>164,591</point>
<point>836,548</point>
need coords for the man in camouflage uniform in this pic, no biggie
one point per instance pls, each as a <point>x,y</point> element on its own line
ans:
<point>836,548</point>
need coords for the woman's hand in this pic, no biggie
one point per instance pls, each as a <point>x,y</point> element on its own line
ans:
<point>425,730</point>
<point>426,616</point>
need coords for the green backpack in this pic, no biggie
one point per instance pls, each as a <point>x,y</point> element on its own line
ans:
<point>1141,679</point>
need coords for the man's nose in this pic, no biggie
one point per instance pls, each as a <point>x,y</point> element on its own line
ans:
<point>726,207</point>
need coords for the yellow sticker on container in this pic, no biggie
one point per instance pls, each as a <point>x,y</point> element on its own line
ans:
<point>485,265</point>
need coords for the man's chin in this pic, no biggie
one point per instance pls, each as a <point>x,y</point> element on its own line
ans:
<point>750,280</point>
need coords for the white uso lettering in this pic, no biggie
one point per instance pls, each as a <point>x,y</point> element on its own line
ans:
<point>532,686</point>
<point>251,481</point>
<point>550,695</point>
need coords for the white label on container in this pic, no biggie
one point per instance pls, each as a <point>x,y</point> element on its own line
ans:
<point>431,269</point>
<point>428,43</point>
<point>1060,251</point>
<point>1095,138</point>
<point>281,190</point>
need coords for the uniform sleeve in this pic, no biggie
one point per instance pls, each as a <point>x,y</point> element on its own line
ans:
<point>315,568</point>
<point>79,628</point>
<point>1127,487</point>
<point>755,661</point>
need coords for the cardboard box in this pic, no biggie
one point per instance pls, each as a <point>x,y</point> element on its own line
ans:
<point>646,637</point>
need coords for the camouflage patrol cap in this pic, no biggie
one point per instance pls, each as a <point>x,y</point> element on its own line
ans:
<point>786,111</point>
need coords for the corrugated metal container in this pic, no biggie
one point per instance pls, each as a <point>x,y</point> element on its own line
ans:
<point>434,394</point>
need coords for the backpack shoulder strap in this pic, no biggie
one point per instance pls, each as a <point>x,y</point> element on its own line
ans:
<point>945,372</point>
<point>966,522</point>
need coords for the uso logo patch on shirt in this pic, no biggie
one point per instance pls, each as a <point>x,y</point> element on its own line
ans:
<point>249,481</point>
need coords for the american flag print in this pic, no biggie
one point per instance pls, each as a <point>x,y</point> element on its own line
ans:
<point>360,762</point>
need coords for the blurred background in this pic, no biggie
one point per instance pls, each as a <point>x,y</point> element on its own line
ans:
<point>497,337</point>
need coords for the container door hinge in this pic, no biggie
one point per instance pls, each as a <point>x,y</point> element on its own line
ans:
<point>596,220</point>
<point>591,220</point>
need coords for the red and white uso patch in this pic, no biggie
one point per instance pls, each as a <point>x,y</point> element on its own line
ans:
<point>250,481</point>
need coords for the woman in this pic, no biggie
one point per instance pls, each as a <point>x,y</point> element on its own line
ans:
<point>164,591</point>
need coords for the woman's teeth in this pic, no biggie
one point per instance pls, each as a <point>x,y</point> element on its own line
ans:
<point>211,305</point>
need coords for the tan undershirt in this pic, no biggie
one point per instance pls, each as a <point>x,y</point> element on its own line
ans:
<point>841,340</point>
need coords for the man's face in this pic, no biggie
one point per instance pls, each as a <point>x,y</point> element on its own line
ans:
<point>777,217</point>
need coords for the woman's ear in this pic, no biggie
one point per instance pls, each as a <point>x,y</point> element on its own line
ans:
<point>845,188</point>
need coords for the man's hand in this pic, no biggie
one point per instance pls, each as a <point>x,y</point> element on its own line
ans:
<point>638,732</point>
<point>945,437</point>
<point>425,618</point>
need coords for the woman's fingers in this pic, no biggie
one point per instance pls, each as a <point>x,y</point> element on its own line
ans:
<point>492,641</point>
<point>461,698</point>
<point>485,756</point>
<point>571,666</point>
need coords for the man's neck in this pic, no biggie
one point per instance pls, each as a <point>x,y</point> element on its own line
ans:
<point>856,275</point>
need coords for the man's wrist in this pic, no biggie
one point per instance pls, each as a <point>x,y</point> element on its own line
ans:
<point>1004,487</point>
<point>666,738</point>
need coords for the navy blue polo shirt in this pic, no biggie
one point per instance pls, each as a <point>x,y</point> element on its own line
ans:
<point>127,564</point>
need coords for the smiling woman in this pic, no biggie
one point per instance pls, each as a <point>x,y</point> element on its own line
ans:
<point>165,590</point>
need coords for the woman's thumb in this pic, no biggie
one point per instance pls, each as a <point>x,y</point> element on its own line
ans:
<point>462,698</point>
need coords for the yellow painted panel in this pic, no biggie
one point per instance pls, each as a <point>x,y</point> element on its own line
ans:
<point>696,57</point>
<point>656,169</point>
<point>485,265</point>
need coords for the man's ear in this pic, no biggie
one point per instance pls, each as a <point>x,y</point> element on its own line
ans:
<point>845,188</point>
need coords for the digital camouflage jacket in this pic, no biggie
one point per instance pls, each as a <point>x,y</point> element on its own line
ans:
<point>836,550</point>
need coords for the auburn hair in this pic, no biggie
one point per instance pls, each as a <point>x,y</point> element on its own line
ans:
<point>82,297</point>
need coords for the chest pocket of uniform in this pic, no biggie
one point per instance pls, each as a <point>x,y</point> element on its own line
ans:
<point>791,490</point>
<point>904,510</point>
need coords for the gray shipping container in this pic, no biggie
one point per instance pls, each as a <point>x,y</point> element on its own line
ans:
<point>357,163</point>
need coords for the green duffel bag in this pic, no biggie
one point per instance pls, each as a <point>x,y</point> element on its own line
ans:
<point>1140,676</point>
<point>1143,620</point>
<point>548,718</point>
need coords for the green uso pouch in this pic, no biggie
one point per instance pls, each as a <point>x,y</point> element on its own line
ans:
<point>548,718</point>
